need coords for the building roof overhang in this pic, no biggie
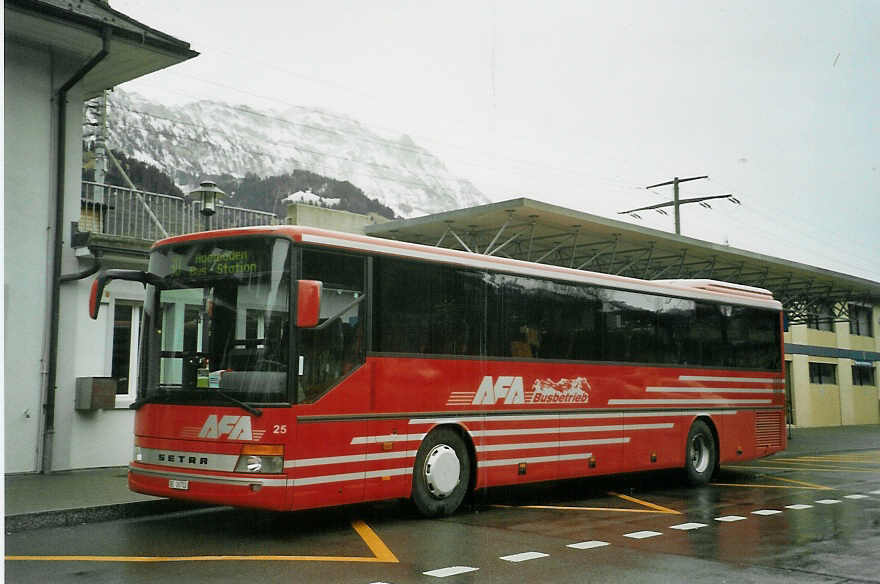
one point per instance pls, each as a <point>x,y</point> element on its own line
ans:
<point>531,230</point>
<point>75,29</point>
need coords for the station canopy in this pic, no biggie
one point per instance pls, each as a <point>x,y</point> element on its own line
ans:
<point>530,230</point>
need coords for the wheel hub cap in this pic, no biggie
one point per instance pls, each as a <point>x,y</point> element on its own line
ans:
<point>442,471</point>
<point>699,454</point>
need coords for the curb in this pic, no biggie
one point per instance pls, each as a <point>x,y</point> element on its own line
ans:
<point>69,517</point>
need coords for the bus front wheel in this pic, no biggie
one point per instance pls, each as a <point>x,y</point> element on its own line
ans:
<point>701,455</point>
<point>441,474</point>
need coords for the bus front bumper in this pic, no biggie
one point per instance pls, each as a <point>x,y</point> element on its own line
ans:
<point>238,490</point>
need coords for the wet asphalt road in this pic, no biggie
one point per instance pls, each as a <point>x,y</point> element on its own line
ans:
<point>785,519</point>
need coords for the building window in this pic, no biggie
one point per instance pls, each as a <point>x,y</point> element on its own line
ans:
<point>860,321</point>
<point>821,320</point>
<point>123,363</point>
<point>863,374</point>
<point>823,373</point>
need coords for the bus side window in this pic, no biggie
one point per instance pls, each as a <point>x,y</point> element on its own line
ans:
<point>329,354</point>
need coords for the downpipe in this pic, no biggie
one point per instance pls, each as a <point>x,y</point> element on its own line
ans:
<point>90,271</point>
<point>58,248</point>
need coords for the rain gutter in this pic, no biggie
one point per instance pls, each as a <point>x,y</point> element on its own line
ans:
<point>58,248</point>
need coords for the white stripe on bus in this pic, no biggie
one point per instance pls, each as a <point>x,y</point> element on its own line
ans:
<point>518,431</point>
<point>536,459</point>
<point>387,438</point>
<point>350,476</point>
<point>573,416</point>
<point>730,379</point>
<point>552,444</point>
<point>298,463</point>
<point>623,402</point>
<point>711,390</point>
<point>569,429</point>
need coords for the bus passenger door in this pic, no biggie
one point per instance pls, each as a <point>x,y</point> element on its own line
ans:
<point>333,385</point>
<point>329,463</point>
<point>328,466</point>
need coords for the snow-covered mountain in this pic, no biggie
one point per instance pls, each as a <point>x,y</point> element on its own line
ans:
<point>211,138</point>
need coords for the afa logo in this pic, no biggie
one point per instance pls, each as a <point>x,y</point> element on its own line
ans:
<point>232,427</point>
<point>509,390</point>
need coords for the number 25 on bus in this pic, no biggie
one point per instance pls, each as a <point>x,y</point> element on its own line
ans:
<point>292,368</point>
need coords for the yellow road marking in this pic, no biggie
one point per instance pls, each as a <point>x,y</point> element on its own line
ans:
<point>803,468</point>
<point>381,554</point>
<point>754,486</point>
<point>564,508</point>
<point>376,545</point>
<point>811,485</point>
<point>659,508</point>
<point>156,559</point>
<point>652,507</point>
<point>813,462</point>
<point>862,454</point>
<point>836,459</point>
<point>802,485</point>
<point>799,463</point>
<point>858,454</point>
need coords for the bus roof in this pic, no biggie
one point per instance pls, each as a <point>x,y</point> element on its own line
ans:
<point>711,290</point>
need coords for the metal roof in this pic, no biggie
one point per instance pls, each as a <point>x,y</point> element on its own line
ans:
<point>540,232</point>
<point>75,28</point>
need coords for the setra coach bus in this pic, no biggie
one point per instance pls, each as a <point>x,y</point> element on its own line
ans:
<point>291,368</point>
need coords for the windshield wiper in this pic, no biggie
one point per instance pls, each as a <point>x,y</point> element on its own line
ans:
<point>247,407</point>
<point>160,397</point>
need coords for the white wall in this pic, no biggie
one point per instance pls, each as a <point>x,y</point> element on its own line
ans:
<point>27,186</point>
<point>88,439</point>
<point>32,75</point>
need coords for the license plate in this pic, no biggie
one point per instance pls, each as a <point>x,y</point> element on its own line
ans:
<point>179,485</point>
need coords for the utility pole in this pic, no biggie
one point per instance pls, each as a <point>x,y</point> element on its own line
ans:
<point>101,148</point>
<point>677,202</point>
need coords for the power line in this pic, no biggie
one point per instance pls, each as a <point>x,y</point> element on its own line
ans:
<point>787,217</point>
<point>678,202</point>
<point>780,235</point>
<point>803,244</point>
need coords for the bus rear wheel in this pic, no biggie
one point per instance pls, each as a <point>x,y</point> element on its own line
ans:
<point>701,456</point>
<point>441,474</point>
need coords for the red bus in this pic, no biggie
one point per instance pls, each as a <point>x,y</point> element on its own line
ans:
<point>292,368</point>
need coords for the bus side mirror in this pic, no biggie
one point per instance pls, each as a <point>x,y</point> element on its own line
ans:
<point>308,303</point>
<point>104,276</point>
<point>96,293</point>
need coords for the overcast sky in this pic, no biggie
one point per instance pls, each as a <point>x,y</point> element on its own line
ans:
<point>583,104</point>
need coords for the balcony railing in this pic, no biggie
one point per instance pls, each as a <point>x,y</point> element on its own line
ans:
<point>121,212</point>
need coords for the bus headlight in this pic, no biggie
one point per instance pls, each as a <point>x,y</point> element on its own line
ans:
<point>261,459</point>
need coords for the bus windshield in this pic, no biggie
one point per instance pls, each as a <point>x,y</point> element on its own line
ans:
<point>219,323</point>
